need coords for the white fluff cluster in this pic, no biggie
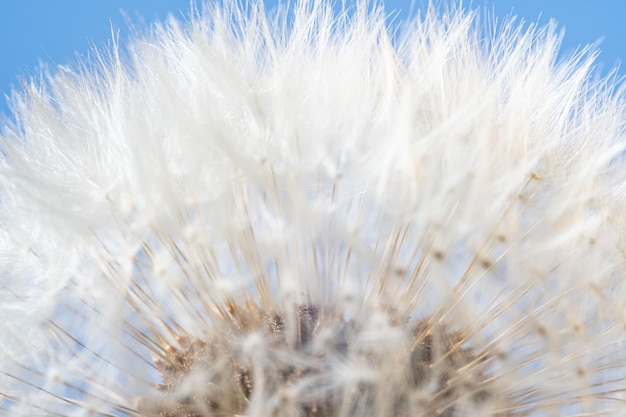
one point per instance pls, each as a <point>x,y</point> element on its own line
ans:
<point>312,214</point>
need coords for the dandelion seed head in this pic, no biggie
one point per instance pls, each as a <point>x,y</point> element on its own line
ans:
<point>308,214</point>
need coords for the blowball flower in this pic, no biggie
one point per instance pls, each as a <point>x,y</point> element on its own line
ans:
<point>309,213</point>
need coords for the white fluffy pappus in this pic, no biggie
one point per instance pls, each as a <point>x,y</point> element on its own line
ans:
<point>309,213</point>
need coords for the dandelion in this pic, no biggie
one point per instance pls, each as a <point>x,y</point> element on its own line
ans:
<point>310,213</point>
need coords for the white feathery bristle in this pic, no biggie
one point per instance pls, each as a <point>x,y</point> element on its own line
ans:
<point>311,213</point>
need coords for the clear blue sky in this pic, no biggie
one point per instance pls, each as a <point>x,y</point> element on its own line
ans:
<point>53,32</point>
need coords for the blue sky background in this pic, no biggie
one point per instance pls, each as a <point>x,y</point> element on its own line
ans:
<point>54,32</point>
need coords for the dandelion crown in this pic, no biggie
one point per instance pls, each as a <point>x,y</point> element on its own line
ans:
<point>311,213</point>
